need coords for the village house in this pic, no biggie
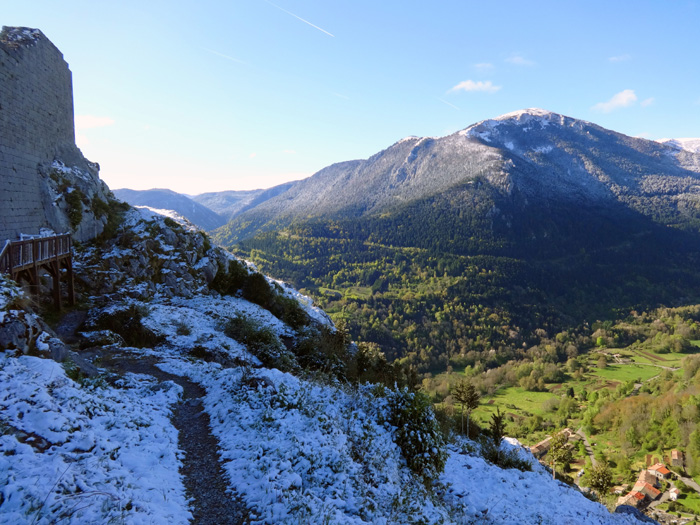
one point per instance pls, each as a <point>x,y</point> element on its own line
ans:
<point>647,489</point>
<point>647,477</point>
<point>674,493</point>
<point>660,471</point>
<point>542,447</point>
<point>644,488</point>
<point>677,458</point>
<point>634,499</point>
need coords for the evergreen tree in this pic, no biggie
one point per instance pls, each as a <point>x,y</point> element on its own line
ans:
<point>468,397</point>
<point>498,430</point>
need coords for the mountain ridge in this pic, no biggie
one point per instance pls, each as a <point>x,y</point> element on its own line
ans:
<point>577,158</point>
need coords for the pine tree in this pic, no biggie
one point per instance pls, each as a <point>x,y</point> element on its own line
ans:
<point>497,428</point>
<point>468,397</point>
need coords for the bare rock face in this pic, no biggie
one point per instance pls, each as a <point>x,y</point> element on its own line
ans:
<point>149,256</point>
<point>22,330</point>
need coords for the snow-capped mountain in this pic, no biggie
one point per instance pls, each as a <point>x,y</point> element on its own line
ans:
<point>526,157</point>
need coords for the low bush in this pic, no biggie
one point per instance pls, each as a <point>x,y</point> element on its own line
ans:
<point>418,433</point>
<point>127,323</point>
<point>261,342</point>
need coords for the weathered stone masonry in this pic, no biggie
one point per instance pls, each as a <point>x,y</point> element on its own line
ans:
<point>36,129</point>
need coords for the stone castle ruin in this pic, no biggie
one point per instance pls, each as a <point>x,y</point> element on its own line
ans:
<point>45,182</point>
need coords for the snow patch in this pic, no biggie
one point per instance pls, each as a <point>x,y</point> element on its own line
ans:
<point>688,144</point>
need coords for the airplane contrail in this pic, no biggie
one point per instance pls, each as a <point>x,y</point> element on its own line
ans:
<point>223,56</point>
<point>445,102</point>
<point>299,18</point>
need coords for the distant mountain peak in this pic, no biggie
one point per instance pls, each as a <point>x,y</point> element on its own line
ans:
<point>527,119</point>
<point>687,144</point>
<point>528,112</point>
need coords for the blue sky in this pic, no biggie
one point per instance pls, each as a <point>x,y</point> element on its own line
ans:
<point>241,94</point>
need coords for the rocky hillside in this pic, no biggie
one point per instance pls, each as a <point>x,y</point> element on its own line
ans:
<point>175,326</point>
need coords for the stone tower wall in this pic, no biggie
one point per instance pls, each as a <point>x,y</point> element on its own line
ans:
<point>36,130</point>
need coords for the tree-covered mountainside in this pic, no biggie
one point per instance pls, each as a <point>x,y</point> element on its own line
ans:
<point>461,249</point>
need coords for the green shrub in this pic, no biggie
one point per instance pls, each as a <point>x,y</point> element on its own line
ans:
<point>418,433</point>
<point>74,199</point>
<point>172,224</point>
<point>99,207</point>
<point>127,323</point>
<point>115,216</point>
<point>323,349</point>
<point>261,342</point>
<point>230,280</point>
<point>257,290</point>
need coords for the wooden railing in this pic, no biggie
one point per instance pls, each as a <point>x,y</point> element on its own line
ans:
<point>27,253</point>
<point>23,259</point>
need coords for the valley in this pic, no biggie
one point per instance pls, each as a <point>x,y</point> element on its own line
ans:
<point>537,285</point>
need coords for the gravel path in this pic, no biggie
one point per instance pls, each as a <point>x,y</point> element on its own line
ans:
<point>212,501</point>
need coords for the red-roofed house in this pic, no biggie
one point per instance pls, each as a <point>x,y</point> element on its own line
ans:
<point>674,493</point>
<point>660,471</point>
<point>647,477</point>
<point>634,498</point>
<point>647,489</point>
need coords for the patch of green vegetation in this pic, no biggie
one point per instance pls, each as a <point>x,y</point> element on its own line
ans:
<point>127,322</point>
<point>261,342</point>
<point>74,200</point>
<point>625,373</point>
<point>689,502</point>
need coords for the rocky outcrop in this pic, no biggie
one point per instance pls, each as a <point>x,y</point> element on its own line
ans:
<point>150,255</point>
<point>22,330</point>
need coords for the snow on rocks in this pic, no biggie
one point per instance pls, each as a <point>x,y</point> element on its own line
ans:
<point>302,452</point>
<point>487,494</point>
<point>90,453</point>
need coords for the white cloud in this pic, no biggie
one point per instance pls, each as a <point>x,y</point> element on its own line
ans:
<point>252,155</point>
<point>519,60</point>
<point>622,99</point>
<point>470,85</point>
<point>484,66</point>
<point>619,58</point>
<point>647,102</point>
<point>91,121</point>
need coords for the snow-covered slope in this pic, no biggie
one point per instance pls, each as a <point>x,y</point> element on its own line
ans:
<point>687,144</point>
<point>295,447</point>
